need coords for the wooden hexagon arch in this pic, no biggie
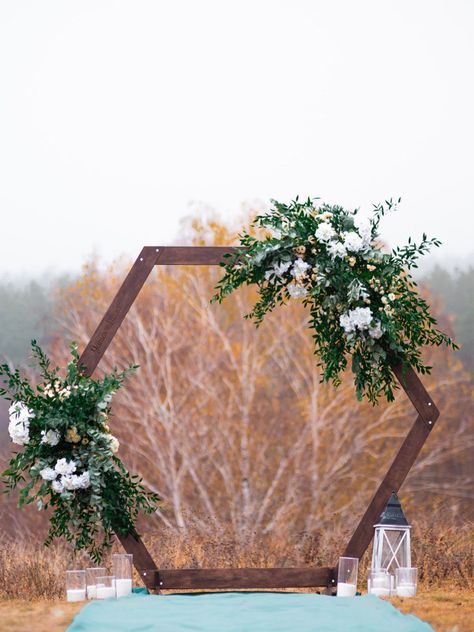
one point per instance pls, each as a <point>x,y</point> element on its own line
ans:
<point>246,578</point>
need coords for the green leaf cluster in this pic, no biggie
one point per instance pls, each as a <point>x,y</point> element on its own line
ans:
<point>77,410</point>
<point>345,271</point>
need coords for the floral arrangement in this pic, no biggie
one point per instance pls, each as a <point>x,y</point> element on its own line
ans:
<point>68,459</point>
<point>362,301</point>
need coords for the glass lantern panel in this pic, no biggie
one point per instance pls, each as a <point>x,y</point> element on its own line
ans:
<point>395,549</point>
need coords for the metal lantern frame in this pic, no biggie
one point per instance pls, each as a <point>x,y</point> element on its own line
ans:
<point>248,578</point>
<point>380,537</point>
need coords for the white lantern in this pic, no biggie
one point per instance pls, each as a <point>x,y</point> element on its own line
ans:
<point>392,548</point>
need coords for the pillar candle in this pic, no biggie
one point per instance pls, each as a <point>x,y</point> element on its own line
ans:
<point>346,590</point>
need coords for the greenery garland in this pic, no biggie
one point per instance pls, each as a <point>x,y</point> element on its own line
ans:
<point>363,303</point>
<point>68,461</point>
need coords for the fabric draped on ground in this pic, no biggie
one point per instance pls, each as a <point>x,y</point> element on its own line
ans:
<point>244,612</point>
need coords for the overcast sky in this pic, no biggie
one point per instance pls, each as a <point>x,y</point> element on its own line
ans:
<point>115,116</point>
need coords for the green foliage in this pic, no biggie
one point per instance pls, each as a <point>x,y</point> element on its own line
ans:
<point>68,457</point>
<point>363,303</point>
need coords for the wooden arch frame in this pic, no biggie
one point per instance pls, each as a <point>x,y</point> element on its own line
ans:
<point>247,578</point>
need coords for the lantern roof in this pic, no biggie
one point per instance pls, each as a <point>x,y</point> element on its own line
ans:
<point>393,514</point>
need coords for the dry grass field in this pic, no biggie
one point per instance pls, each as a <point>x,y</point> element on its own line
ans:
<point>32,577</point>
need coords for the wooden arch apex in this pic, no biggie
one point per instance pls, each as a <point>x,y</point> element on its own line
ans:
<point>242,578</point>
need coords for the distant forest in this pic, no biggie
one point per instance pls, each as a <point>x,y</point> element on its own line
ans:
<point>26,310</point>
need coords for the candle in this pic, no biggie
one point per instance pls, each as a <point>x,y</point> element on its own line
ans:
<point>346,590</point>
<point>406,590</point>
<point>76,594</point>
<point>92,591</point>
<point>379,592</point>
<point>124,587</point>
<point>105,592</point>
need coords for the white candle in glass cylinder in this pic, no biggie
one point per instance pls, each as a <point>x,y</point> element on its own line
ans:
<point>124,587</point>
<point>105,592</point>
<point>346,590</point>
<point>75,594</point>
<point>406,590</point>
<point>92,591</point>
<point>379,592</point>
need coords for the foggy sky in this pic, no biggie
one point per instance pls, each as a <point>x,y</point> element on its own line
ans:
<point>115,116</point>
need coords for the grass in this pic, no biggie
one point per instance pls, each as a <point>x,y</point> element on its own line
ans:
<point>32,577</point>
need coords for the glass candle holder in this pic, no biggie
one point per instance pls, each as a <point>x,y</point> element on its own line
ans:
<point>75,585</point>
<point>406,582</point>
<point>123,569</point>
<point>91,580</point>
<point>379,583</point>
<point>347,576</point>
<point>105,587</point>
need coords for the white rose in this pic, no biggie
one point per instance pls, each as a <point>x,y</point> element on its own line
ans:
<point>48,474</point>
<point>299,268</point>
<point>65,467</point>
<point>365,229</point>
<point>296,291</point>
<point>325,232</point>
<point>19,411</point>
<point>336,249</point>
<point>50,437</point>
<point>114,443</point>
<point>70,482</point>
<point>84,480</point>
<point>19,426</point>
<point>358,318</point>
<point>19,432</point>
<point>375,331</point>
<point>57,486</point>
<point>353,242</point>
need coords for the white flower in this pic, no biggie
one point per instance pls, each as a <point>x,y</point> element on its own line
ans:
<point>19,426</point>
<point>353,242</point>
<point>365,229</point>
<point>19,432</point>
<point>114,443</point>
<point>391,296</point>
<point>299,268</point>
<point>48,474</point>
<point>277,270</point>
<point>336,249</point>
<point>375,330</point>
<point>50,437</point>
<point>326,215</point>
<point>275,232</point>
<point>19,411</point>
<point>325,232</point>
<point>75,481</point>
<point>65,467</point>
<point>85,480</point>
<point>358,318</point>
<point>57,486</point>
<point>296,291</point>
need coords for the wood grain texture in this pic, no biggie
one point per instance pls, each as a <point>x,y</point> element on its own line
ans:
<point>118,309</point>
<point>241,578</point>
<point>142,559</point>
<point>192,255</point>
<point>417,393</point>
<point>392,481</point>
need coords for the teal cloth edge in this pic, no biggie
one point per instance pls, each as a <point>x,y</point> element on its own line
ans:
<point>243,612</point>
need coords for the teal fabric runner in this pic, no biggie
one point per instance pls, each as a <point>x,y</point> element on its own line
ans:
<point>244,612</point>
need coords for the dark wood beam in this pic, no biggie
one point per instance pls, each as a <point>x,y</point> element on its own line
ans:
<point>402,463</point>
<point>240,578</point>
